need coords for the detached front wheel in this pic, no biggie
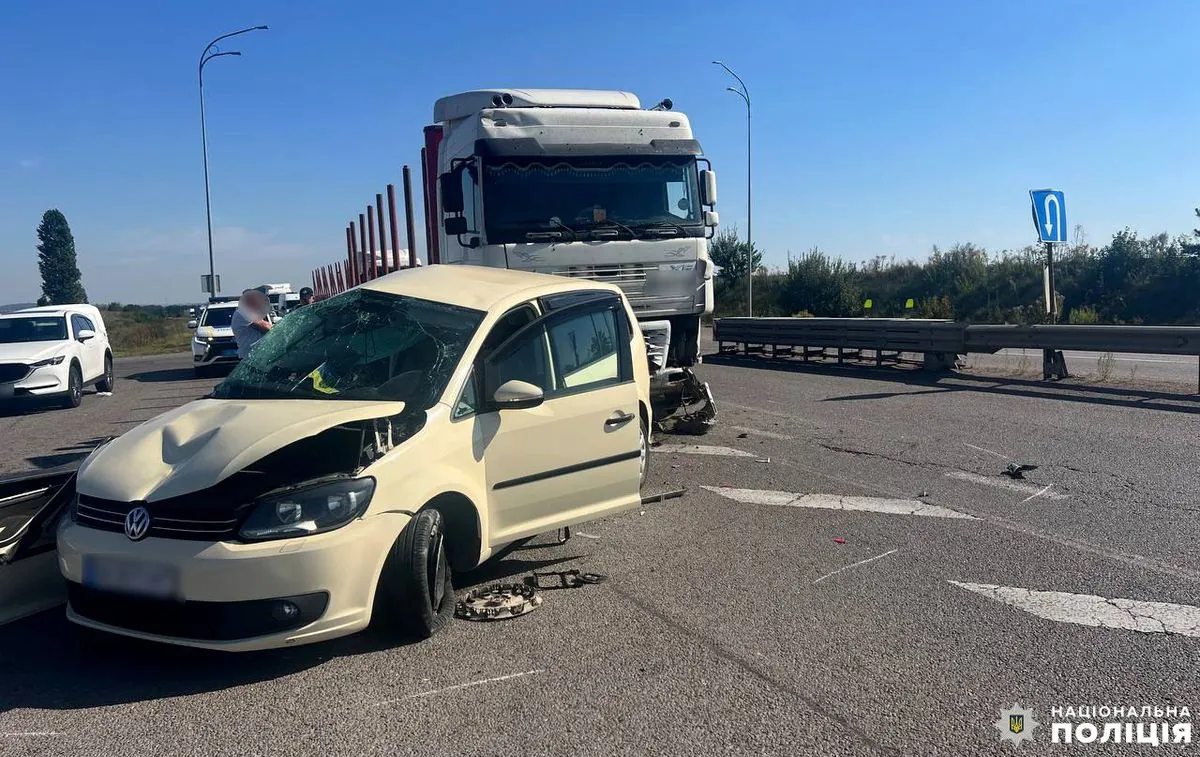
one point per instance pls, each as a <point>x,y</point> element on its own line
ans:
<point>415,596</point>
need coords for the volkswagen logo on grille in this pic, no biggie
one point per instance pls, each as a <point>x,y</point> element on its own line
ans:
<point>137,523</point>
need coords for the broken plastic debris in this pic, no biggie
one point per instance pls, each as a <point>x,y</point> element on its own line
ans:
<point>742,435</point>
<point>763,460</point>
<point>838,540</point>
<point>103,394</point>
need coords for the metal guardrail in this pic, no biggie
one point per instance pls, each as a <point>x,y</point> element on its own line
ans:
<point>942,341</point>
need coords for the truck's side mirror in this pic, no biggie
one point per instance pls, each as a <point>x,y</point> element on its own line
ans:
<point>452,192</point>
<point>712,218</point>
<point>456,225</point>
<point>708,187</point>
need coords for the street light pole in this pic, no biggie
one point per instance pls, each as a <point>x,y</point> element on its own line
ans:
<point>209,53</point>
<point>744,93</point>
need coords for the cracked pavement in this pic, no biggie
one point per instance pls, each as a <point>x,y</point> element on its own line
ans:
<point>725,627</point>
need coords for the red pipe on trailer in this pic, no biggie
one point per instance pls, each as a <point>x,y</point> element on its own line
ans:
<point>383,259</point>
<point>408,217</point>
<point>433,138</point>
<point>364,269</point>
<point>374,267</point>
<point>355,272</point>
<point>395,226</point>
<point>349,252</point>
<point>425,208</point>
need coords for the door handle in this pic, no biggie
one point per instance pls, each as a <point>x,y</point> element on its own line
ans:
<point>620,419</point>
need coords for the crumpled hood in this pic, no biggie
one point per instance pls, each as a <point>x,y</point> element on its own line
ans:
<point>30,352</point>
<point>195,446</point>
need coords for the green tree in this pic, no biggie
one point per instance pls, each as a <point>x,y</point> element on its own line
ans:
<point>730,254</point>
<point>61,281</point>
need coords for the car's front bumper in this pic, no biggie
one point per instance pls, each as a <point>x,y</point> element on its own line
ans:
<point>229,595</point>
<point>44,381</point>
<point>221,350</point>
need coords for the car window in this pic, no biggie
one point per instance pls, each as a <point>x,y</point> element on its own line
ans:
<point>78,323</point>
<point>87,323</point>
<point>468,401</point>
<point>585,349</point>
<point>525,360</point>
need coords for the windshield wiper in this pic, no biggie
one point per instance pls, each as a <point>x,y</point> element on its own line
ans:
<point>598,225</point>
<point>661,227</point>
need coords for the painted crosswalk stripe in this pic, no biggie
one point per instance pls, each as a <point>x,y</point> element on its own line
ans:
<point>838,502</point>
<point>703,449</point>
<point>1007,483</point>
<point>1099,612</point>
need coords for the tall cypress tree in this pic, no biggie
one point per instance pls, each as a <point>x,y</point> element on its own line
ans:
<point>61,281</point>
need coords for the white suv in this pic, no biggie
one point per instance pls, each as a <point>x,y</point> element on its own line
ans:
<point>213,343</point>
<point>54,351</point>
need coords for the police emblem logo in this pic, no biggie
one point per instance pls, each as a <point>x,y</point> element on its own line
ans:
<point>1016,724</point>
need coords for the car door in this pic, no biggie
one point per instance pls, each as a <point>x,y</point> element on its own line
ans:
<point>91,352</point>
<point>575,456</point>
<point>30,505</point>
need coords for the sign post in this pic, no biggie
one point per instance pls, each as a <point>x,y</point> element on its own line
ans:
<point>1050,220</point>
<point>206,285</point>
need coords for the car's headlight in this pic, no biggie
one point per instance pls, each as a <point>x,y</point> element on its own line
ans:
<point>48,361</point>
<point>308,511</point>
<point>202,339</point>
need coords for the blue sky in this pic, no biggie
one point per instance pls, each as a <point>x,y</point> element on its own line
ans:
<point>880,127</point>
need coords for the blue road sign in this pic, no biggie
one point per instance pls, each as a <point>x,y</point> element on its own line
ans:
<point>1049,214</point>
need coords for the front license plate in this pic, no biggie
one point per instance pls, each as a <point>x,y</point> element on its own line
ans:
<point>131,577</point>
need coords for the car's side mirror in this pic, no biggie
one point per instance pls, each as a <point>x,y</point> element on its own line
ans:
<point>85,334</point>
<point>517,395</point>
<point>452,191</point>
<point>708,187</point>
<point>193,323</point>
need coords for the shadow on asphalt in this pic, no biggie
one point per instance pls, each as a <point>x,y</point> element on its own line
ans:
<point>166,375</point>
<point>963,382</point>
<point>42,666</point>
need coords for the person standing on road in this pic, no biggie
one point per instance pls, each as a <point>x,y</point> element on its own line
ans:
<point>250,320</point>
<point>306,296</point>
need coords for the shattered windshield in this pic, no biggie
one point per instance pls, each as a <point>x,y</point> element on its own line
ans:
<point>522,195</point>
<point>361,345</point>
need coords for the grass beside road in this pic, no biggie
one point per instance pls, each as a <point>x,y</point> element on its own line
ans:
<point>138,333</point>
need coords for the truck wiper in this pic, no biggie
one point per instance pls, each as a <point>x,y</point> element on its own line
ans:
<point>537,236</point>
<point>658,227</point>
<point>610,222</point>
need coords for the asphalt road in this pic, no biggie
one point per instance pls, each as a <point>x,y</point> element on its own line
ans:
<point>742,618</point>
<point>1165,371</point>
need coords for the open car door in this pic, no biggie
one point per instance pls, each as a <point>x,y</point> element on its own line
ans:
<point>30,506</point>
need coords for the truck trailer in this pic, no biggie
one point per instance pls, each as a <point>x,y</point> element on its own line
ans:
<point>584,183</point>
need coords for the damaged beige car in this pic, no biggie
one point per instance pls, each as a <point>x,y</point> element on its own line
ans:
<point>370,446</point>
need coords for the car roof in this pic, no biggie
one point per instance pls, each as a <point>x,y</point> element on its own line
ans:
<point>51,310</point>
<point>479,287</point>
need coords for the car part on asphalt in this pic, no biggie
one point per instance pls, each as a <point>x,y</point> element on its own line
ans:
<point>567,579</point>
<point>1015,470</point>
<point>662,496</point>
<point>499,602</point>
<point>697,411</point>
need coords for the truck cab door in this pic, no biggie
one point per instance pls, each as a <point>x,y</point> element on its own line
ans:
<point>30,507</point>
<point>569,452</point>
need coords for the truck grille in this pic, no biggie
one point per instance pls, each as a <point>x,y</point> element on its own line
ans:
<point>13,372</point>
<point>166,521</point>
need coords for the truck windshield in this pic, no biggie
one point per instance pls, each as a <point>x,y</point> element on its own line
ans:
<point>521,195</point>
<point>361,345</point>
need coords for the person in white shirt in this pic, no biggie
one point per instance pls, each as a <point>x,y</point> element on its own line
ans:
<point>250,320</point>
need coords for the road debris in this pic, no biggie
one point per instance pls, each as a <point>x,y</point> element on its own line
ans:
<point>582,535</point>
<point>838,540</point>
<point>498,602</point>
<point>763,460</point>
<point>661,496</point>
<point>855,565</point>
<point>1017,470</point>
<point>742,435</point>
<point>566,579</point>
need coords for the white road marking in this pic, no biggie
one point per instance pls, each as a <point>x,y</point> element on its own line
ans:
<point>1099,612</point>
<point>18,734</point>
<point>984,449</point>
<point>703,449</point>
<point>1005,483</point>
<point>431,692</point>
<point>838,502</point>
<point>1035,496</point>
<point>767,434</point>
<point>855,565</point>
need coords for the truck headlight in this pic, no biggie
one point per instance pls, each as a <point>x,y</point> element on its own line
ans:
<point>314,510</point>
<point>48,361</point>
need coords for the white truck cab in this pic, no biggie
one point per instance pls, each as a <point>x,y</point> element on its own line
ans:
<point>583,183</point>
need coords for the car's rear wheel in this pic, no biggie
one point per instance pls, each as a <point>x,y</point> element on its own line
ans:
<point>105,384</point>
<point>415,596</point>
<point>74,387</point>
